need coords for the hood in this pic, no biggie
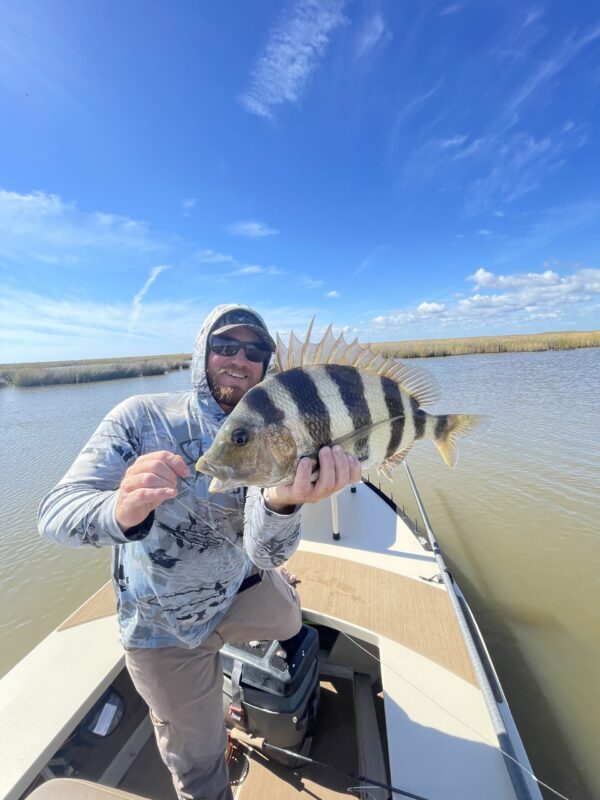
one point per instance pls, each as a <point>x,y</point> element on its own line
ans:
<point>199,380</point>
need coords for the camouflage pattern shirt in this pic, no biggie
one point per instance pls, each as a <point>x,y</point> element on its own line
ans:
<point>176,574</point>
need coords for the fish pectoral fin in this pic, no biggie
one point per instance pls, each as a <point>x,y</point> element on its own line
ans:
<point>389,465</point>
<point>360,433</point>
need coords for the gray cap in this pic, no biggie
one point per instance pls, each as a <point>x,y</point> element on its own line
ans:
<point>241,318</point>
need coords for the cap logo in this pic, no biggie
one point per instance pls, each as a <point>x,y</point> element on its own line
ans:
<point>239,317</point>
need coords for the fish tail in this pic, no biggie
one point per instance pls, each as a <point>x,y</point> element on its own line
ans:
<point>448,427</point>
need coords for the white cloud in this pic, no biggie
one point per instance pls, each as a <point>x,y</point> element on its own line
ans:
<point>522,35</point>
<point>484,232</point>
<point>476,146</point>
<point>549,69</point>
<point>306,282</point>
<point>237,268</point>
<point>517,166</point>
<point>136,303</point>
<point>293,50</point>
<point>44,226</point>
<point>484,278</point>
<point>212,257</point>
<point>251,269</point>
<point>365,263</point>
<point>430,308</point>
<point>374,32</point>
<point>451,9</point>
<point>411,108</point>
<point>49,327</point>
<point>371,258</point>
<point>333,293</point>
<point>187,204</point>
<point>533,14</point>
<point>550,224</point>
<point>522,301</point>
<point>251,229</point>
<point>496,169</point>
<point>37,327</point>
<point>454,141</point>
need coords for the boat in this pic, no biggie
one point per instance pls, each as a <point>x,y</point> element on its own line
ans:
<point>410,704</point>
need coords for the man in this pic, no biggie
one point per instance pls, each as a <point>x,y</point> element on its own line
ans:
<point>191,570</point>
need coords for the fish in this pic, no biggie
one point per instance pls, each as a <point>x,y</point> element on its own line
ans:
<point>324,394</point>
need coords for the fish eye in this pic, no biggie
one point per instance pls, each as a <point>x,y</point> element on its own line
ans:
<point>239,437</point>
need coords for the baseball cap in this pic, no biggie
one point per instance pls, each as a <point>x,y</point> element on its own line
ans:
<point>242,318</point>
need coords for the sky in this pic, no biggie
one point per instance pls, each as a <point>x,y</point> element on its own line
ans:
<point>402,170</point>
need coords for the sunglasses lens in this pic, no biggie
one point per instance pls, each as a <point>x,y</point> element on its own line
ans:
<point>226,349</point>
<point>254,353</point>
<point>229,347</point>
<point>223,347</point>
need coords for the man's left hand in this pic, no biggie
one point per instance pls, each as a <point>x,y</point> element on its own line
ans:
<point>336,470</point>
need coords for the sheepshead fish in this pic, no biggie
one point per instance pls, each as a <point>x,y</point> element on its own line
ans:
<point>326,394</point>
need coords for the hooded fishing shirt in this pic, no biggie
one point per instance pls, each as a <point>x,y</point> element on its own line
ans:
<point>176,574</point>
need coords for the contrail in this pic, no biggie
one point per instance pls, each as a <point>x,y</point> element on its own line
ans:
<point>136,303</point>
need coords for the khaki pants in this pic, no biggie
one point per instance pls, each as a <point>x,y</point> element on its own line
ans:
<point>183,688</point>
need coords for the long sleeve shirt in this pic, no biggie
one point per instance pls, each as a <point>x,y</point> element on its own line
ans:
<point>176,573</point>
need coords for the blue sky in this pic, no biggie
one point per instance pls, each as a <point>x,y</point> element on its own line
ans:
<point>403,170</point>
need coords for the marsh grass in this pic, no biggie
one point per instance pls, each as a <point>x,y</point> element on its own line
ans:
<point>518,343</point>
<point>61,372</point>
<point>104,369</point>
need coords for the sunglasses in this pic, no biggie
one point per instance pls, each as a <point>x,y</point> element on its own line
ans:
<point>222,346</point>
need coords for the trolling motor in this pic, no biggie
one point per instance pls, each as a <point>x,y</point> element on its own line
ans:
<point>271,690</point>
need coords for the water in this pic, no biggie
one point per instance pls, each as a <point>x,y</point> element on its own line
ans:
<point>518,521</point>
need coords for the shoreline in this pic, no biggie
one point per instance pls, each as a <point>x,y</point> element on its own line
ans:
<point>474,345</point>
<point>47,373</point>
<point>73,372</point>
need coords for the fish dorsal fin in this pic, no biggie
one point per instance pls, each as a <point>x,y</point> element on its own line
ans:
<point>415,381</point>
<point>294,351</point>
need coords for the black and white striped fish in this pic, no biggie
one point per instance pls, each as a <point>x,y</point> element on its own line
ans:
<point>325,394</point>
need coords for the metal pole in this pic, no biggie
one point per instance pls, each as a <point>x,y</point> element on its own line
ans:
<point>335,518</point>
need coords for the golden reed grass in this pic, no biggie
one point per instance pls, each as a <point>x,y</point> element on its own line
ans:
<point>98,369</point>
<point>59,372</point>
<point>518,343</point>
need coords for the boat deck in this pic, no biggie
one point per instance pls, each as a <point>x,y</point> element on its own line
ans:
<point>396,626</point>
<point>334,743</point>
<point>391,605</point>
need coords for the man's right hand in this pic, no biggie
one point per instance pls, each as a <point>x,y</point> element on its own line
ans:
<point>147,484</point>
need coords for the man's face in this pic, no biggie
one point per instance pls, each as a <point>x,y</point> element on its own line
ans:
<point>230,377</point>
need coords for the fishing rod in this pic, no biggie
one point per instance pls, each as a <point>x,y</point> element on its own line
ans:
<point>256,744</point>
<point>509,756</point>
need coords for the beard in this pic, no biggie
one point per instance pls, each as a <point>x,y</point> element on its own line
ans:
<point>228,395</point>
<point>225,395</point>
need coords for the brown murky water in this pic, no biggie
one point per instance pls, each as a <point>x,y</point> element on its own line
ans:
<point>518,521</point>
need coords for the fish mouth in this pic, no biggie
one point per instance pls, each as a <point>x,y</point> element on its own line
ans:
<point>222,485</point>
<point>204,465</point>
<point>223,477</point>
